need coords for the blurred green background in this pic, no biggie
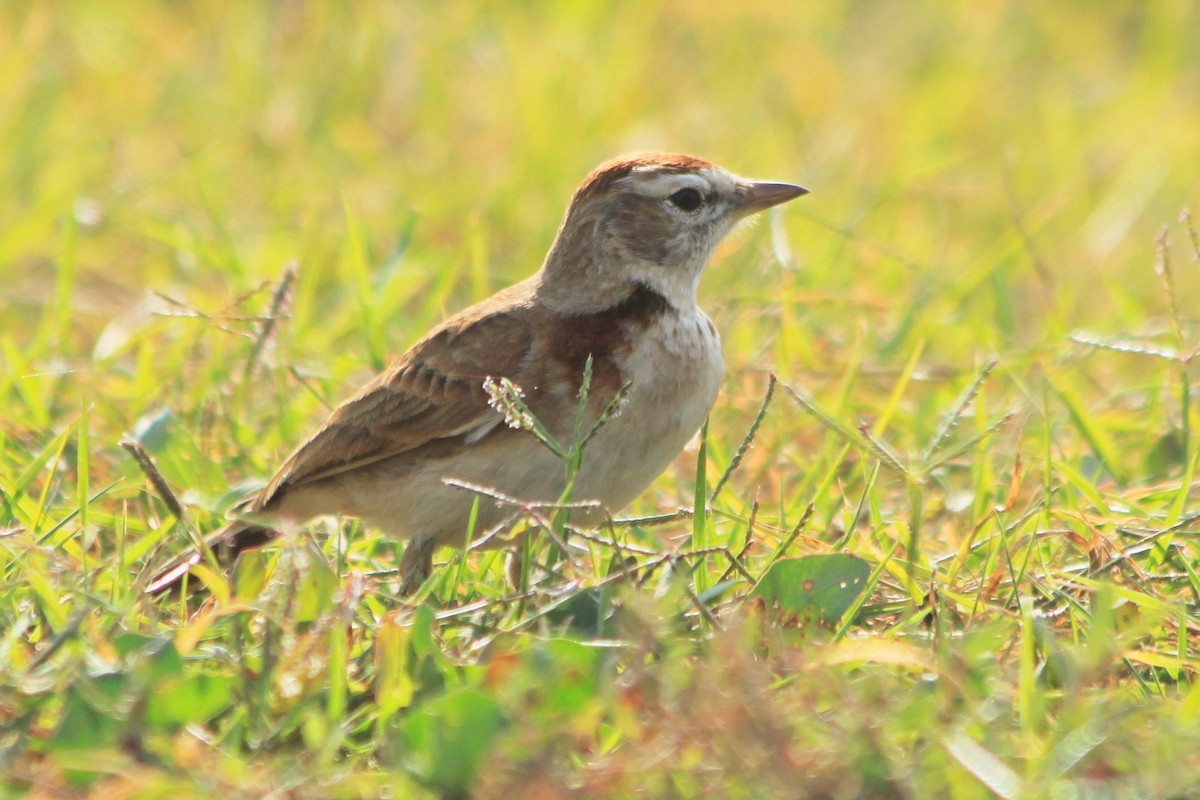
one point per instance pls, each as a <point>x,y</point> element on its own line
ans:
<point>1000,161</point>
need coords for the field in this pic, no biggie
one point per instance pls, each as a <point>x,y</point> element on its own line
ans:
<point>941,539</point>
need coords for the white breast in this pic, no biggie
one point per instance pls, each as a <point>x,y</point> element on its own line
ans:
<point>674,372</point>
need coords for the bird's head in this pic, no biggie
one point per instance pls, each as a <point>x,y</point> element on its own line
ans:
<point>649,220</point>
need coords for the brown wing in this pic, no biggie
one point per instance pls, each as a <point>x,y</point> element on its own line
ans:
<point>433,391</point>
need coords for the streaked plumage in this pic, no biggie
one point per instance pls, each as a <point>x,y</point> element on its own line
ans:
<point>618,285</point>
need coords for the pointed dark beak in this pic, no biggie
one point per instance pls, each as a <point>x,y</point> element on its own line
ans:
<point>759,196</point>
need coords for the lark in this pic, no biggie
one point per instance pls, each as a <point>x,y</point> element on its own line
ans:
<point>618,287</point>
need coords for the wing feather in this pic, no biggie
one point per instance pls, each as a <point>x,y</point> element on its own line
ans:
<point>434,391</point>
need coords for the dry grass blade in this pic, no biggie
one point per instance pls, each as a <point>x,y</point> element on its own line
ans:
<point>849,435</point>
<point>736,561</point>
<point>747,441</point>
<point>655,519</point>
<point>68,632</point>
<point>962,447</point>
<point>791,537</point>
<point>1162,267</point>
<point>959,408</point>
<point>280,299</point>
<point>188,312</point>
<point>532,509</point>
<point>881,450</point>
<point>509,500</point>
<point>308,386</point>
<point>161,487</point>
<point>611,412</point>
<point>736,565</point>
<point>1125,346</point>
<point>589,536</point>
<point>1184,525</point>
<point>1185,217</point>
<point>695,599</point>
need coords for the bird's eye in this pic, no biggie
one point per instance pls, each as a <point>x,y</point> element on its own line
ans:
<point>686,199</point>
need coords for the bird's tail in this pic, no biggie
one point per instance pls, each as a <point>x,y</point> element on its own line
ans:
<point>226,543</point>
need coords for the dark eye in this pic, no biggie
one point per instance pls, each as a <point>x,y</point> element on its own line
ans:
<point>686,199</point>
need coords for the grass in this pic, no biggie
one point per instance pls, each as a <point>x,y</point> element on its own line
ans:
<point>983,321</point>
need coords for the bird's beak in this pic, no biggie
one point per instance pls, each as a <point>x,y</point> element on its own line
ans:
<point>759,196</point>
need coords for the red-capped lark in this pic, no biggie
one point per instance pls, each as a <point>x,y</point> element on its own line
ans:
<point>618,286</point>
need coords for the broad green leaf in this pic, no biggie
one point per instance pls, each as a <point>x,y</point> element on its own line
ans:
<point>431,664</point>
<point>186,700</point>
<point>446,739</point>
<point>250,573</point>
<point>89,719</point>
<point>564,672</point>
<point>394,686</point>
<point>816,588</point>
<point>587,612</point>
<point>314,592</point>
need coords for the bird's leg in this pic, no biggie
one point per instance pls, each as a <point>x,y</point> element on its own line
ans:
<point>514,566</point>
<point>416,564</point>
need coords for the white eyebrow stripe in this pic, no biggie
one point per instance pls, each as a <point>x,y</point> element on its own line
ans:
<point>666,183</point>
<point>647,180</point>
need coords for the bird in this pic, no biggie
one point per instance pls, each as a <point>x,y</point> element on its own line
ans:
<point>616,296</point>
